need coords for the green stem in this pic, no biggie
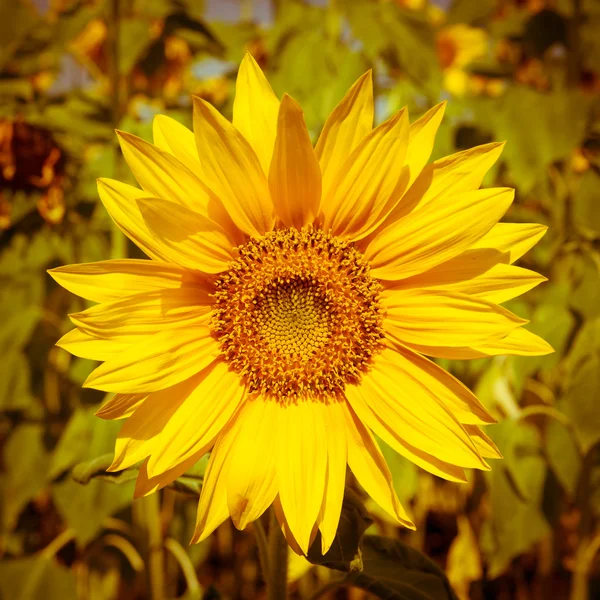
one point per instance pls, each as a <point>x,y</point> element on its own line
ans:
<point>118,240</point>
<point>263,548</point>
<point>148,513</point>
<point>278,562</point>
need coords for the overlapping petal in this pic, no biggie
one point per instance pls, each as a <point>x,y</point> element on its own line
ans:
<point>370,182</point>
<point>295,175</point>
<point>230,168</point>
<point>255,110</point>
<point>435,233</point>
<point>429,317</point>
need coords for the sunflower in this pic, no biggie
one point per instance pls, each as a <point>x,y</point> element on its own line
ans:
<point>290,302</point>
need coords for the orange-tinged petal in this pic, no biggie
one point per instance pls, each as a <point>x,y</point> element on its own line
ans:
<point>448,318</point>
<point>176,139</point>
<point>120,406</point>
<point>109,280</point>
<point>370,182</point>
<point>435,233</point>
<point>335,480</point>
<point>295,175</point>
<point>301,462</point>
<point>385,430</point>
<point>251,479</point>
<point>350,121</point>
<point>255,110</point>
<point>157,362</point>
<point>513,238</point>
<point>187,238</point>
<point>200,418</point>
<point>231,169</point>
<point>415,412</point>
<point>370,469</point>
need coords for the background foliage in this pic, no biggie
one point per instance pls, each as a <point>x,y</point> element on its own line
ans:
<point>525,71</point>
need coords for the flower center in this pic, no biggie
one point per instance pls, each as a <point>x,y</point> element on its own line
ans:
<point>298,314</point>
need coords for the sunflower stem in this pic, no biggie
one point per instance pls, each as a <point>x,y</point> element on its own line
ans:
<point>148,516</point>
<point>276,576</point>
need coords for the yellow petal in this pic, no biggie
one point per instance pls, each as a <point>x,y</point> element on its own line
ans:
<point>301,461</point>
<point>499,284</point>
<point>255,110</point>
<point>146,485</point>
<point>350,121</point>
<point>212,508</point>
<point>514,238</point>
<point>85,345</point>
<point>448,318</point>
<point>519,342</point>
<point>483,443</point>
<point>134,318</point>
<point>415,413</point>
<point>370,469</point>
<point>370,182</point>
<point>231,169</point>
<point>120,406</point>
<point>285,528</point>
<point>467,265</point>
<point>187,238</point>
<point>176,139</point>
<point>200,418</point>
<point>140,435</point>
<point>295,175</point>
<point>448,176</point>
<point>157,362</point>
<point>110,280</point>
<point>392,438</point>
<point>119,199</point>
<point>335,480</point>
<point>251,480</point>
<point>435,233</point>
<point>448,390</point>
<point>161,175</point>
<point>421,139</point>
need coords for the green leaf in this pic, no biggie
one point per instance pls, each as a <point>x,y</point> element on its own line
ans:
<point>580,403</point>
<point>515,494</point>
<point>563,455</point>
<point>15,388</point>
<point>539,128</point>
<point>26,462</point>
<point>36,577</point>
<point>395,571</point>
<point>89,441</point>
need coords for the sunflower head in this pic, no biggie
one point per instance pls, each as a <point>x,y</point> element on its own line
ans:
<point>292,296</point>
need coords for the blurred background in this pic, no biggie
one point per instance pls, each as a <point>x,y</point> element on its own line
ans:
<point>71,71</point>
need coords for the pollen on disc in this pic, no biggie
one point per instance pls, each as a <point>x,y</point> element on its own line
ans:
<point>297,314</point>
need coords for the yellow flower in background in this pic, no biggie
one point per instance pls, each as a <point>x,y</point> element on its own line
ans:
<point>291,298</point>
<point>458,46</point>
